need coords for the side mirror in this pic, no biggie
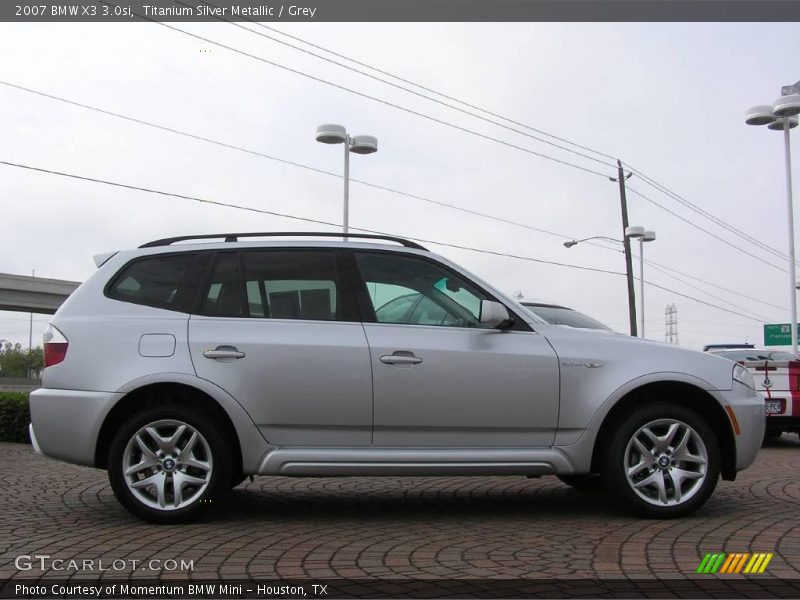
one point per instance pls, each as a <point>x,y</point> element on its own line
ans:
<point>494,315</point>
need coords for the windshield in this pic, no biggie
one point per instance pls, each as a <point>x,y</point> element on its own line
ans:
<point>559,315</point>
<point>753,354</point>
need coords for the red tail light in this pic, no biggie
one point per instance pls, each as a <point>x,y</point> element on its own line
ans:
<point>55,346</point>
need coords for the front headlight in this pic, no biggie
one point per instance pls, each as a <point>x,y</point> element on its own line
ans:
<point>744,376</point>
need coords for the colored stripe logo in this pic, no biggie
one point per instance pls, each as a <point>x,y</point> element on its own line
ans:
<point>737,562</point>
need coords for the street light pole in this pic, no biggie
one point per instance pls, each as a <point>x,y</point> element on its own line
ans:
<point>360,144</point>
<point>782,115</point>
<point>644,236</point>
<point>641,283</point>
<point>790,210</point>
<point>346,216</point>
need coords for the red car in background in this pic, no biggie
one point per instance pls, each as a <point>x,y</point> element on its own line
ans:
<point>777,378</point>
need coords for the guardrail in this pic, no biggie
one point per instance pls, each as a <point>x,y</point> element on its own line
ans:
<point>19,384</point>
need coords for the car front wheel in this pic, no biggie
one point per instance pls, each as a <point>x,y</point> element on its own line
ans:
<point>167,463</point>
<point>663,461</point>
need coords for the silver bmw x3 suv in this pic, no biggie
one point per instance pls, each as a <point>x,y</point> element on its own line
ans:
<point>189,363</point>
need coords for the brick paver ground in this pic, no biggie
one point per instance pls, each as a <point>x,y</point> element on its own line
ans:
<point>456,527</point>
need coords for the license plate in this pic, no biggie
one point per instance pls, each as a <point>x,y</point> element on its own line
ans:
<point>773,407</point>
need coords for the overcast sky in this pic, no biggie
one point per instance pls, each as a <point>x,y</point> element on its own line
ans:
<point>668,99</point>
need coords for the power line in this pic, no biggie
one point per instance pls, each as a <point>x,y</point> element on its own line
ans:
<point>716,285</point>
<point>449,124</point>
<point>284,161</point>
<point>688,297</point>
<point>665,272</point>
<point>360,181</point>
<point>321,171</point>
<point>707,322</point>
<point>710,216</point>
<point>373,98</point>
<point>417,113</point>
<point>332,224</point>
<point>706,231</point>
<point>305,219</point>
<point>717,220</point>
<point>431,90</point>
<point>400,87</point>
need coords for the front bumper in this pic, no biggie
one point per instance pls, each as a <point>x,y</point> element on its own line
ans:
<point>748,410</point>
<point>65,424</point>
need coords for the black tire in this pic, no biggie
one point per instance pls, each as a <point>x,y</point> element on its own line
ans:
<point>586,483</point>
<point>694,490</point>
<point>237,480</point>
<point>213,451</point>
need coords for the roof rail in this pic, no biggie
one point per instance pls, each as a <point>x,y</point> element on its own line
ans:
<point>234,237</point>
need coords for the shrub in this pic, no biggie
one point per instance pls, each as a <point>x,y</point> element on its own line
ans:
<point>15,415</point>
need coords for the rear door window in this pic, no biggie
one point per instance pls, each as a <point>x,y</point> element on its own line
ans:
<point>292,285</point>
<point>274,284</point>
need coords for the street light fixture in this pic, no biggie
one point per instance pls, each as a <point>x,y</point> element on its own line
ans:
<point>572,243</point>
<point>782,116</point>
<point>636,232</point>
<point>359,144</point>
<point>780,124</point>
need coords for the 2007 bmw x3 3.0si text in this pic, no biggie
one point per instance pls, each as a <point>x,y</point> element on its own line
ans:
<point>189,363</point>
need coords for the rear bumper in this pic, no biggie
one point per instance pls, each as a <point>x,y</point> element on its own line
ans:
<point>778,423</point>
<point>789,403</point>
<point>34,441</point>
<point>65,423</point>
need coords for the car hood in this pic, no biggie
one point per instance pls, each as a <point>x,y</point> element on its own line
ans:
<point>635,357</point>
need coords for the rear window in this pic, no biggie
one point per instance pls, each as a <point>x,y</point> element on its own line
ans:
<point>156,281</point>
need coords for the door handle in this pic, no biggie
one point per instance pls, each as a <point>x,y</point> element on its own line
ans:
<point>401,358</point>
<point>223,352</point>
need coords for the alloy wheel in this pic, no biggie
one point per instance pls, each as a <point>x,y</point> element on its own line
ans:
<point>666,462</point>
<point>167,464</point>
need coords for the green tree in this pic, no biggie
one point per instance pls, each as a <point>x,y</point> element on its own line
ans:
<point>18,362</point>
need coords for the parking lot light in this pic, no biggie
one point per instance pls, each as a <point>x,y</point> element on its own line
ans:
<point>781,115</point>
<point>331,133</point>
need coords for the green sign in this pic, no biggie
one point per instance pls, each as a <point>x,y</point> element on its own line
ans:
<point>778,335</point>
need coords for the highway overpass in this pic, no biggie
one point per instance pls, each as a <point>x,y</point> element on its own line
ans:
<point>33,294</point>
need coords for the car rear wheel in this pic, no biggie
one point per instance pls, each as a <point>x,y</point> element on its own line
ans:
<point>663,461</point>
<point>168,463</point>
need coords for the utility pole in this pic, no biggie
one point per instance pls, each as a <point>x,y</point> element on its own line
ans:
<point>30,334</point>
<point>621,177</point>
